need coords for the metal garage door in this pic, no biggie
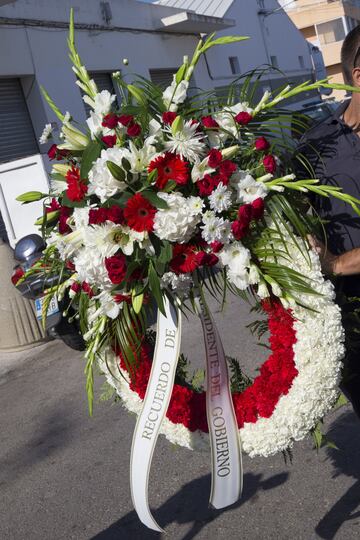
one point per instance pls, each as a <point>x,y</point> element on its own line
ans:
<point>17,138</point>
<point>162,77</point>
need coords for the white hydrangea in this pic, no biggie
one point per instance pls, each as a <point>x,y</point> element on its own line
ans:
<point>175,94</point>
<point>216,229</point>
<point>101,181</point>
<point>90,267</point>
<point>248,189</point>
<point>178,222</point>
<point>220,198</point>
<point>236,258</point>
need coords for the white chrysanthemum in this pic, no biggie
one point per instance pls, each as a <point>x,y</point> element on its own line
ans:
<point>215,229</point>
<point>46,134</point>
<point>248,189</point>
<point>220,198</point>
<point>178,222</point>
<point>175,94</point>
<point>186,142</point>
<point>101,181</point>
<point>236,258</point>
<point>180,283</point>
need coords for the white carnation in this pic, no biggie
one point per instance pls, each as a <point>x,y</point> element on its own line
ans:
<point>178,222</point>
<point>248,189</point>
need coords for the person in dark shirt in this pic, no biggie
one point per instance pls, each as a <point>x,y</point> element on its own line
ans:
<point>332,148</point>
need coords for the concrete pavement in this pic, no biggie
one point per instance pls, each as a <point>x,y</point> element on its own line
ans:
<point>64,475</point>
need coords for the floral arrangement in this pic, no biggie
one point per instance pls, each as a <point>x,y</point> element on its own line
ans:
<point>165,196</point>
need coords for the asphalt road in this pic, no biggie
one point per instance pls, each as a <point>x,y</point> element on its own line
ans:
<point>64,475</point>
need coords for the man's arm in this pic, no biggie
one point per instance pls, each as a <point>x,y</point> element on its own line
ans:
<point>346,264</point>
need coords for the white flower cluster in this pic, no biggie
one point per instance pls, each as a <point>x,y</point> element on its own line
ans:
<point>318,352</point>
<point>46,134</point>
<point>181,283</point>
<point>175,94</point>
<point>178,222</point>
<point>215,229</point>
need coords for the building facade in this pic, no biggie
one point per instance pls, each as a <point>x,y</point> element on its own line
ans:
<point>325,24</point>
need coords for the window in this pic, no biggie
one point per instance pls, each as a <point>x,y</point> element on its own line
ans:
<point>234,65</point>
<point>162,77</point>
<point>331,31</point>
<point>274,61</point>
<point>17,138</point>
<point>103,81</point>
<point>301,62</point>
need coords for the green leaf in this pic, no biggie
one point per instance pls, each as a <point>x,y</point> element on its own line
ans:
<point>137,301</point>
<point>177,125</point>
<point>155,200</point>
<point>31,196</point>
<point>138,94</point>
<point>126,165</point>
<point>180,74</point>
<point>154,283</point>
<point>91,154</point>
<point>152,176</point>
<point>165,253</point>
<point>117,172</point>
<point>52,105</point>
<point>171,184</point>
<point>222,41</point>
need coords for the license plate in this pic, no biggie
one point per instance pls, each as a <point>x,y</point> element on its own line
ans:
<point>52,309</point>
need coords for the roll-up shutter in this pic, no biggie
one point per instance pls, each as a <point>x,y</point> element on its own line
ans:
<point>103,82</point>
<point>17,137</point>
<point>162,77</point>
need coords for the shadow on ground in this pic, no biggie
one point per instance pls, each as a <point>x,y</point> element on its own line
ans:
<point>190,506</point>
<point>345,432</point>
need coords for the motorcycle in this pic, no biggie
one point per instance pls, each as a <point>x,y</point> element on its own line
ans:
<point>27,252</point>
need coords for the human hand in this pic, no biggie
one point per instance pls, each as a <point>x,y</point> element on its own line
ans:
<point>327,259</point>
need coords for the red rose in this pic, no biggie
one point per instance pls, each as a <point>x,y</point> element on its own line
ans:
<point>207,185</point>
<point>243,118</point>
<point>52,151</point>
<point>269,164</point>
<point>139,213</point>
<point>262,144</point>
<point>258,208</point>
<point>245,214</point>
<point>116,268</point>
<point>209,122</point>
<point>18,274</point>
<point>239,230</point>
<point>70,265</point>
<point>110,121</point>
<point>125,119</point>
<point>109,140</point>
<point>87,289</point>
<point>76,188</point>
<point>214,158</point>
<point>168,117</point>
<point>206,259</point>
<point>133,129</point>
<point>65,212</point>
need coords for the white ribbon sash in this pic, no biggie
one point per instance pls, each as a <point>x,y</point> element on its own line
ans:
<point>226,461</point>
<point>156,402</point>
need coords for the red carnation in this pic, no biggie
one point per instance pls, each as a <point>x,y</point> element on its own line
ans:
<point>258,208</point>
<point>216,246</point>
<point>206,259</point>
<point>97,216</point>
<point>184,259</point>
<point>227,168</point>
<point>209,122</point>
<point>170,167</point>
<point>243,118</point>
<point>133,129</point>
<point>239,229</point>
<point>110,121</point>
<point>65,212</point>
<point>269,164</point>
<point>109,140</point>
<point>207,185</point>
<point>54,205</point>
<point>75,287</point>
<point>115,214</point>
<point>168,117</point>
<point>262,144</point>
<point>245,214</point>
<point>116,268</point>
<point>214,158</point>
<point>87,289</point>
<point>139,213</point>
<point>52,151</point>
<point>76,188</point>
<point>125,119</point>
<point>18,274</point>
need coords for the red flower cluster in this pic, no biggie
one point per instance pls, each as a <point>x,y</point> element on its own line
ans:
<point>116,268</point>
<point>224,169</point>
<point>76,188</point>
<point>246,214</point>
<point>139,213</point>
<point>111,121</point>
<point>100,215</point>
<point>269,162</point>
<point>18,274</point>
<point>277,374</point>
<point>170,167</point>
<point>53,206</point>
<point>187,258</point>
<point>55,153</point>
